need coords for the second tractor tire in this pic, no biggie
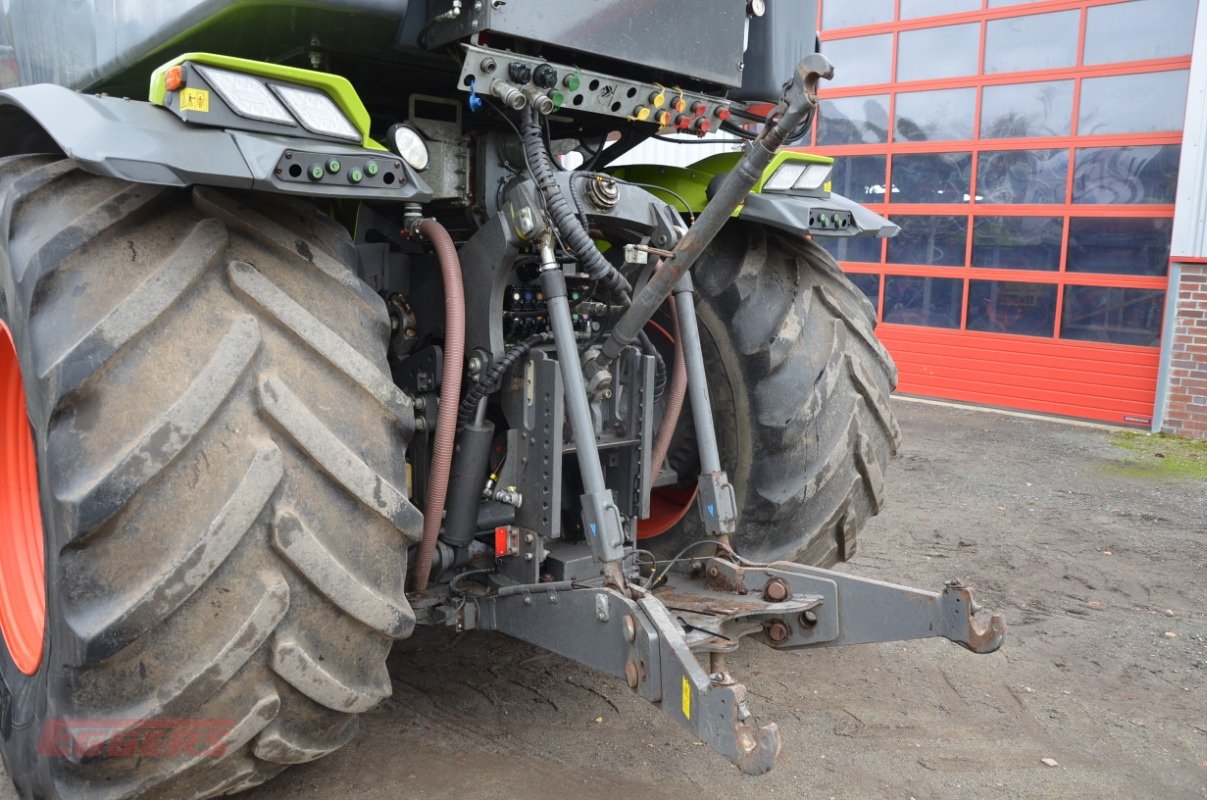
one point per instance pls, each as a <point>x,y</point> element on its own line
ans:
<point>800,391</point>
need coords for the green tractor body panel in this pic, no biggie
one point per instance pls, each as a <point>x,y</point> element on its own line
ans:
<point>816,212</point>
<point>337,87</point>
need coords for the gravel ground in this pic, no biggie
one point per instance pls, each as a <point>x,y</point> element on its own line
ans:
<point>1096,560</point>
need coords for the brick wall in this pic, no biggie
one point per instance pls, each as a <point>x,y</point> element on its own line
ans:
<point>1186,411</point>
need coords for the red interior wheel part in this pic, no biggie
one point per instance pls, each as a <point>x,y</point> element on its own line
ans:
<point>22,569</point>
<point>667,505</point>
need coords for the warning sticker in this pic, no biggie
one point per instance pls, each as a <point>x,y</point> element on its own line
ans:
<point>195,100</point>
<point>687,698</point>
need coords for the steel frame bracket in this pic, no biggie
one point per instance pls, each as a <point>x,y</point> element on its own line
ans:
<point>641,642</point>
<point>855,610</point>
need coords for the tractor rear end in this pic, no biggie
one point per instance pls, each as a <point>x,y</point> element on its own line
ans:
<point>327,339</point>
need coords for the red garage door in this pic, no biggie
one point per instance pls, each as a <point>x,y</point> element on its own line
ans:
<point>1029,152</point>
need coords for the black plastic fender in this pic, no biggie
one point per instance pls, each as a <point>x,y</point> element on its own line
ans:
<point>794,213</point>
<point>143,143</point>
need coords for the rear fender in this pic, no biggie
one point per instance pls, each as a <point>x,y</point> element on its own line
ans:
<point>144,143</point>
<point>814,213</point>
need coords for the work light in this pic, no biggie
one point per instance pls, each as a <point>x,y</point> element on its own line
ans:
<point>798,175</point>
<point>247,95</point>
<point>316,112</point>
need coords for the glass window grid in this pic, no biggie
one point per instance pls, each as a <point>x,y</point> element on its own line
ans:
<point>990,11</point>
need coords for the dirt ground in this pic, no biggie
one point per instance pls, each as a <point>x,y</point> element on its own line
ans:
<point>1094,552</point>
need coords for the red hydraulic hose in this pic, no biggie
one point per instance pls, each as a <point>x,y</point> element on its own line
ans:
<point>450,395</point>
<point>674,399</point>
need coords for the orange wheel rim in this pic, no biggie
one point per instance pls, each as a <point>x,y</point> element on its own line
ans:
<point>22,562</point>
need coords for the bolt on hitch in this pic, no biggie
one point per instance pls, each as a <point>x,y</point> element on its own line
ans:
<point>653,641</point>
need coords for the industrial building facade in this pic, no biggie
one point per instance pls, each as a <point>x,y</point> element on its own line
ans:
<point>1030,153</point>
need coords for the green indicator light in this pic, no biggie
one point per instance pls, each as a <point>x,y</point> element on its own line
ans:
<point>371,168</point>
<point>333,166</point>
<point>316,172</point>
<point>571,82</point>
<point>356,176</point>
<point>558,99</point>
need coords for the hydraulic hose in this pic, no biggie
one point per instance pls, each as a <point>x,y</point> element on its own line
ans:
<point>795,109</point>
<point>450,392</point>
<point>674,399</point>
<point>572,232</point>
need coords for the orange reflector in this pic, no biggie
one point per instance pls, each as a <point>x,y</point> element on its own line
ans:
<point>174,79</point>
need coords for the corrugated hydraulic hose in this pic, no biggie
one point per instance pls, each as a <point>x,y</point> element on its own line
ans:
<point>450,393</point>
<point>568,225</point>
<point>674,399</point>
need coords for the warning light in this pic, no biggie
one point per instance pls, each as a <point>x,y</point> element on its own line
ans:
<point>506,543</point>
<point>174,79</point>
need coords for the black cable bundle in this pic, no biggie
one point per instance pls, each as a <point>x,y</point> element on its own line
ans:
<point>573,234</point>
<point>490,381</point>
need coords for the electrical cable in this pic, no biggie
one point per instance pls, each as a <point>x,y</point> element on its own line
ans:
<point>662,138</point>
<point>454,585</point>
<point>659,576</point>
<point>687,209</point>
<point>648,348</point>
<point>489,382</point>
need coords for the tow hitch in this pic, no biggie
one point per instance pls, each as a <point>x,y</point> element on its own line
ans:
<point>652,640</point>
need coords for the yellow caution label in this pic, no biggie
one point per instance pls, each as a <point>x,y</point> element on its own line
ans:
<point>195,100</point>
<point>827,186</point>
<point>687,698</point>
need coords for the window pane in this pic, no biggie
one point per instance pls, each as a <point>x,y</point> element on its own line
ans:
<point>1043,41</point>
<point>1026,309</point>
<point>860,178</point>
<point>1139,30</point>
<point>929,240</point>
<point>1017,242</point>
<point>911,9</point>
<point>1022,176</point>
<point>931,178</point>
<point>869,285</point>
<point>935,302</point>
<point>945,52</point>
<point>1111,314</point>
<point>1000,3</point>
<point>863,249</point>
<point>861,60</point>
<point>1138,175</point>
<point>1027,109</point>
<point>853,120</point>
<point>1155,101</point>
<point>845,14</point>
<point>1119,246</point>
<point>941,115</point>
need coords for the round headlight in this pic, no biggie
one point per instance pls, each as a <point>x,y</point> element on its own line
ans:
<point>407,143</point>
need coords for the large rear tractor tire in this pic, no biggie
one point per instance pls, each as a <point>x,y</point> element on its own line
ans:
<point>218,465</point>
<point>800,388</point>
